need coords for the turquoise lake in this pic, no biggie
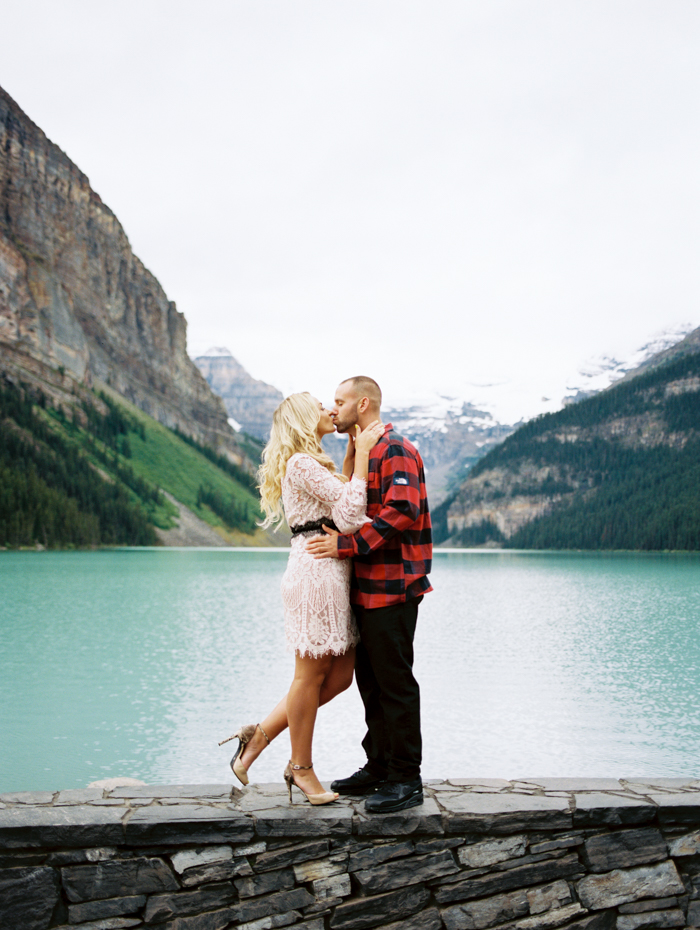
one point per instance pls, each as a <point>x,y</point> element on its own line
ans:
<point>136,662</point>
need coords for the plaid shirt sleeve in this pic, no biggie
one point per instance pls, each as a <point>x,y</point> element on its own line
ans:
<point>400,486</point>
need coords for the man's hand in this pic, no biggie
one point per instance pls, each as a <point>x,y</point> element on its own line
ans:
<point>324,547</point>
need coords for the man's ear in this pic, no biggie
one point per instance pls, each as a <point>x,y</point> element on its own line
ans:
<point>363,404</point>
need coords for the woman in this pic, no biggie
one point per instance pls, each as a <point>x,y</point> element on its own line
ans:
<point>297,480</point>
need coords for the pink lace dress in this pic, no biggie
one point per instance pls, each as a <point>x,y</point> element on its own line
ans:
<point>316,592</point>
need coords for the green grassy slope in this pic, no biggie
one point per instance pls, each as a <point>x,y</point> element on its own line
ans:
<point>94,475</point>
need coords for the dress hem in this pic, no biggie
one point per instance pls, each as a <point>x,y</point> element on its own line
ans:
<point>306,651</point>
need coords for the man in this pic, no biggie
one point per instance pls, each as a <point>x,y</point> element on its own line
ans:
<point>391,560</point>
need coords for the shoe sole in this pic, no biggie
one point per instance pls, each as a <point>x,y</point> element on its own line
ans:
<point>399,806</point>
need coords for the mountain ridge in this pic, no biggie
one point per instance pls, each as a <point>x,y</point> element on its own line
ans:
<point>607,472</point>
<point>76,302</point>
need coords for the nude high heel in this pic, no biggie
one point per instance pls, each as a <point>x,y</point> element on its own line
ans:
<point>324,798</point>
<point>244,736</point>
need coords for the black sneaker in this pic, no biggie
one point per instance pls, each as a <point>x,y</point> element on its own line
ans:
<point>362,782</point>
<point>395,796</point>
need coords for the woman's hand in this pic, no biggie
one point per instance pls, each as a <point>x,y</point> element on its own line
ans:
<point>369,437</point>
<point>349,460</point>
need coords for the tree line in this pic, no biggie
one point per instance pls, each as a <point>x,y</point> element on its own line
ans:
<point>50,493</point>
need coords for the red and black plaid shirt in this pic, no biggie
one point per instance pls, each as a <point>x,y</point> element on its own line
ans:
<point>392,555</point>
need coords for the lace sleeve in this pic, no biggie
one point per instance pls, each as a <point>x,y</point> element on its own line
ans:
<point>348,501</point>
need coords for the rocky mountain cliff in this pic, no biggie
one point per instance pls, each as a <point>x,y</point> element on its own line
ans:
<point>249,403</point>
<point>617,470</point>
<point>76,305</point>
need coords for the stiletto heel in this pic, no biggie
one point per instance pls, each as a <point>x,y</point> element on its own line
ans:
<point>324,798</point>
<point>244,736</point>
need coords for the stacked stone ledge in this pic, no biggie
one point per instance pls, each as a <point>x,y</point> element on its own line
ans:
<point>595,854</point>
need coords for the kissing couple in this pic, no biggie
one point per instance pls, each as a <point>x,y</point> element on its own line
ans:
<point>360,555</point>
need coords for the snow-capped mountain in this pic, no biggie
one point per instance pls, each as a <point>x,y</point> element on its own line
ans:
<point>602,371</point>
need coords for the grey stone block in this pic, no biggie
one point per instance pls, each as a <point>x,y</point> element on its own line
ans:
<point>66,857</point>
<point>277,903</point>
<point>687,845</point>
<point>376,855</point>
<point>317,869</point>
<point>425,818</point>
<point>693,916</point>
<point>652,919</point>
<point>480,886</point>
<point>100,853</point>
<point>559,842</point>
<point>441,842</point>
<point>216,872</point>
<point>211,920</point>
<point>497,784</point>
<point>117,879</point>
<point>621,886</point>
<point>654,904</point>
<point>191,858</point>
<point>398,874</point>
<point>551,919</point>
<point>251,849</point>
<point>107,923</point>
<point>477,915</point>
<point>162,907</point>
<point>598,809</point>
<point>298,821</point>
<point>488,852</point>
<point>678,808</point>
<point>280,858</point>
<point>602,921</point>
<point>429,919</point>
<point>111,907</point>
<point>78,796</point>
<point>63,826</point>
<point>272,922</point>
<point>547,897</point>
<point>336,887</point>
<point>27,797</point>
<point>184,823</point>
<point>212,864</point>
<point>669,782</point>
<point>265,883</point>
<point>624,848</point>
<point>504,813</point>
<point>575,784</point>
<point>371,912</point>
<point>219,792</point>
<point>28,897</point>
<point>253,802</point>
<point>527,860</point>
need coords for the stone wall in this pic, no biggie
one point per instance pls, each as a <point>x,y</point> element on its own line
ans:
<point>542,853</point>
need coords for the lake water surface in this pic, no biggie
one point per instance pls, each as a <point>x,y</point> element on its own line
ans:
<point>136,662</point>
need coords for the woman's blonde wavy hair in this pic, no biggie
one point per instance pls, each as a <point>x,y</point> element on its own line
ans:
<point>294,429</point>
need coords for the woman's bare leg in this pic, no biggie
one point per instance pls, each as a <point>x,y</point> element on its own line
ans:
<point>302,706</point>
<point>337,680</point>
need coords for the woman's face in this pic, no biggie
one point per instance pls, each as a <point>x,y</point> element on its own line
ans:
<point>325,423</point>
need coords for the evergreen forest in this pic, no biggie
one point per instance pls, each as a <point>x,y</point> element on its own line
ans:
<point>95,476</point>
<point>621,469</point>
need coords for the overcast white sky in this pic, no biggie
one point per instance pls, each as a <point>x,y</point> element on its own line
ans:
<point>443,194</point>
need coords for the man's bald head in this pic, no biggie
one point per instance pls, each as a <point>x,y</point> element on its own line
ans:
<point>362,386</point>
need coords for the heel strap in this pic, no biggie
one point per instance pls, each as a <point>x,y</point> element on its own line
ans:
<point>264,734</point>
<point>297,768</point>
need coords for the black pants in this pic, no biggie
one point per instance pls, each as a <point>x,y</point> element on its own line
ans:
<point>390,693</point>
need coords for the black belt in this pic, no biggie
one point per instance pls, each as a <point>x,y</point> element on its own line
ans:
<point>316,526</point>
